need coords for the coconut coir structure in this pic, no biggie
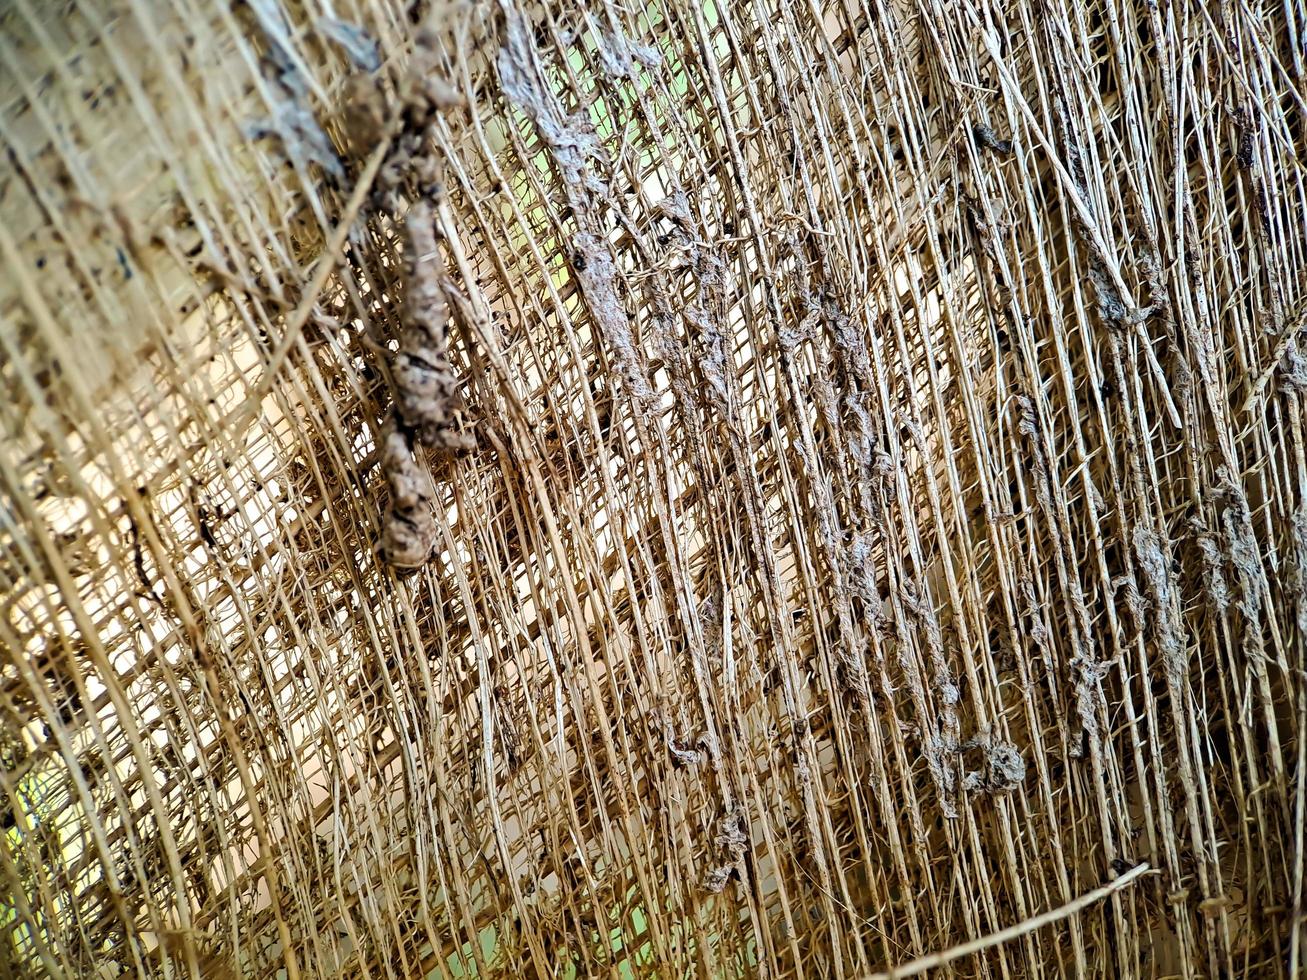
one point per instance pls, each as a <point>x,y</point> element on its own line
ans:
<point>652,489</point>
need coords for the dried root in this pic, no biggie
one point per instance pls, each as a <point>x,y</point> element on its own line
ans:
<point>410,532</point>
<point>1002,767</point>
<point>427,406</point>
<point>427,401</point>
<point>732,842</point>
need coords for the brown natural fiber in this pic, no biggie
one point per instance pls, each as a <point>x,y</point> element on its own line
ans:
<point>671,488</point>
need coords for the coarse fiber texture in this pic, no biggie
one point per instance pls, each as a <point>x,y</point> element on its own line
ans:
<point>665,488</point>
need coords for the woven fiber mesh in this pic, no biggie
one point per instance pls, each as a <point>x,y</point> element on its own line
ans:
<point>662,488</point>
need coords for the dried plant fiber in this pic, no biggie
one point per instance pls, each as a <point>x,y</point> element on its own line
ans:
<point>680,488</point>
